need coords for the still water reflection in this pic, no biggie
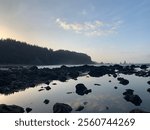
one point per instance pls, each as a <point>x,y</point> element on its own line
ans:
<point>103,98</point>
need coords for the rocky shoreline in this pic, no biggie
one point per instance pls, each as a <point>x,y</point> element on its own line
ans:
<point>19,78</point>
<point>14,79</point>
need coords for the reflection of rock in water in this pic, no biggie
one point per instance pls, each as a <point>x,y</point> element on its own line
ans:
<point>80,108</point>
<point>62,108</point>
<point>130,97</point>
<point>123,81</point>
<point>40,89</point>
<point>81,89</point>
<point>10,109</point>
<point>28,109</point>
<point>85,103</point>
<point>46,101</point>
<point>69,92</point>
<point>97,84</point>
<point>138,111</point>
<point>107,108</point>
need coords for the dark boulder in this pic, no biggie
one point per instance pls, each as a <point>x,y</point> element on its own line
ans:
<point>28,109</point>
<point>74,74</point>
<point>128,92</point>
<point>130,97</point>
<point>33,68</point>
<point>46,101</point>
<point>99,71</point>
<point>62,78</point>
<point>115,75</point>
<point>148,90</point>
<point>10,109</point>
<point>135,99</point>
<point>143,67</point>
<point>81,89</point>
<point>115,87</point>
<point>123,81</point>
<point>48,88</point>
<point>62,108</point>
<point>148,82</point>
<point>47,82</point>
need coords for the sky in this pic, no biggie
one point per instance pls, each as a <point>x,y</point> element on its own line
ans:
<point>111,31</point>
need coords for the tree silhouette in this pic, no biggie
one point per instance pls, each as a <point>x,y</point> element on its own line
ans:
<point>16,52</point>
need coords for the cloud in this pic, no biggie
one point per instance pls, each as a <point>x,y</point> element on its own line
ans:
<point>95,28</point>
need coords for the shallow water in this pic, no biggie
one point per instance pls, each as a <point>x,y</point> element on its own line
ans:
<point>103,98</point>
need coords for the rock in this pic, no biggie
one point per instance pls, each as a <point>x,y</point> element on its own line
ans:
<point>115,87</point>
<point>85,103</point>
<point>32,85</point>
<point>128,92</point>
<point>62,78</point>
<point>48,88</point>
<point>46,101</point>
<point>54,84</point>
<point>34,68</point>
<point>69,92</point>
<point>28,109</point>
<point>107,108</point>
<point>74,74</point>
<point>10,109</point>
<point>109,75</point>
<point>47,82</point>
<point>81,89</point>
<point>97,84</point>
<point>130,97</point>
<point>143,67</point>
<point>148,82</point>
<point>99,71</point>
<point>80,108</point>
<point>88,91</point>
<point>115,75</point>
<point>135,99</point>
<point>109,80</point>
<point>138,111</point>
<point>148,90</point>
<point>123,81</point>
<point>40,89</point>
<point>62,108</point>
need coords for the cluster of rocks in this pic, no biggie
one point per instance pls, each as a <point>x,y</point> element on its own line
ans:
<point>130,97</point>
<point>14,79</point>
<point>123,81</point>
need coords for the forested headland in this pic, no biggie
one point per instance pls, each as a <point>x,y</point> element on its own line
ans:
<point>17,52</point>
